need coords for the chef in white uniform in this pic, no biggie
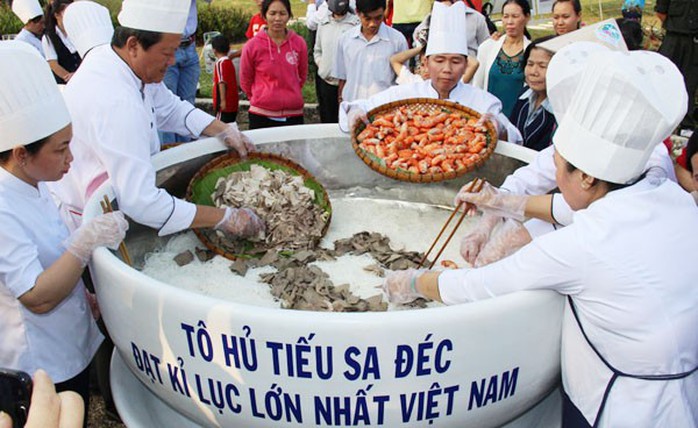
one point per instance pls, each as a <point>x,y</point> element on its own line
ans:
<point>492,238</point>
<point>31,15</point>
<point>629,342</point>
<point>88,25</point>
<point>45,318</point>
<point>447,56</point>
<point>118,102</point>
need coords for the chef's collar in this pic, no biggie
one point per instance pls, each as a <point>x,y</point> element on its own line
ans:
<point>458,85</point>
<point>10,181</point>
<point>128,71</point>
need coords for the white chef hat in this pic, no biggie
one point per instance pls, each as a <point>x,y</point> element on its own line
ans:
<point>31,107</point>
<point>26,10</point>
<point>447,30</point>
<point>564,71</point>
<point>625,104</point>
<point>160,16</point>
<point>605,33</point>
<point>88,24</point>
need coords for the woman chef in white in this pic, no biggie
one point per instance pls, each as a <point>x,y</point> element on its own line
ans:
<point>629,342</point>
<point>118,102</point>
<point>482,244</point>
<point>45,319</point>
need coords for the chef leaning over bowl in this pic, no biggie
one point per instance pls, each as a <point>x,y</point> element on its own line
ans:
<point>484,243</point>
<point>447,57</point>
<point>45,318</point>
<point>118,102</point>
<point>629,331</point>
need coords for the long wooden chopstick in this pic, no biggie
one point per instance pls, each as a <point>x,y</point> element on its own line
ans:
<point>107,208</point>
<point>475,186</point>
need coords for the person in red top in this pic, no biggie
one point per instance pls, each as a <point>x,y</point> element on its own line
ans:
<point>273,69</point>
<point>225,87</point>
<point>257,22</point>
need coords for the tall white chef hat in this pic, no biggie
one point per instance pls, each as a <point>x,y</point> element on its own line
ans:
<point>625,104</point>
<point>26,10</point>
<point>160,16</point>
<point>447,30</point>
<point>88,24</point>
<point>31,108</point>
<point>605,33</point>
<point>564,71</point>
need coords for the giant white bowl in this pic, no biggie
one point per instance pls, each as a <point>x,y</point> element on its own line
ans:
<point>226,364</point>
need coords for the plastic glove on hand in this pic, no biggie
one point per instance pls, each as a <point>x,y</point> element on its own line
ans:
<point>232,137</point>
<point>355,116</point>
<point>507,239</point>
<point>241,223</point>
<point>401,286</point>
<point>488,117</point>
<point>472,243</point>
<point>491,201</point>
<point>106,230</point>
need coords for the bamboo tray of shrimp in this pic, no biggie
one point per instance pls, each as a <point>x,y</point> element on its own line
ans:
<point>423,140</point>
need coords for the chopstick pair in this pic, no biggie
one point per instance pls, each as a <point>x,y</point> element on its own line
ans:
<point>107,208</point>
<point>475,186</point>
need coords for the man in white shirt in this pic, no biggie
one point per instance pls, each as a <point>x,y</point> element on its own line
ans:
<point>118,102</point>
<point>362,63</point>
<point>31,15</point>
<point>331,27</point>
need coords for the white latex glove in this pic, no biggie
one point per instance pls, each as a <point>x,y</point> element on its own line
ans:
<point>107,230</point>
<point>401,287</point>
<point>472,243</point>
<point>233,138</point>
<point>491,201</point>
<point>488,117</point>
<point>241,223</point>
<point>354,115</point>
<point>507,239</point>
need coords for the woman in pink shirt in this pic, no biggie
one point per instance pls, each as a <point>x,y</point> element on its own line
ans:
<point>273,69</point>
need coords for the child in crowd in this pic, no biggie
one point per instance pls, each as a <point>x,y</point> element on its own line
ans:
<point>362,63</point>
<point>257,22</point>
<point>225,88</point>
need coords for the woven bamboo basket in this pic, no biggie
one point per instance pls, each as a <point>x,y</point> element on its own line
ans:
<point>423,105</point>
<point>202,185</point>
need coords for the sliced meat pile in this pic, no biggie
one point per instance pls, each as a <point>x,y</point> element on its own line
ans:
<point>294,221</point>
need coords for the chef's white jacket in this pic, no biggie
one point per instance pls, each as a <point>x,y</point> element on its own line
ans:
<point>627,262</point>
<point>64,340</point>
<point>115,122</point>
<point>538,178</point>
<point>27,36</point>
<point>463,93</point>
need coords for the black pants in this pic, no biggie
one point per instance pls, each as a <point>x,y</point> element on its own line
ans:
<point>328,102</point>
<point>258,122</point>
<point>81,385</point>
<point>682,50</point>
<point>227,117</point>
<point>571,416</point>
